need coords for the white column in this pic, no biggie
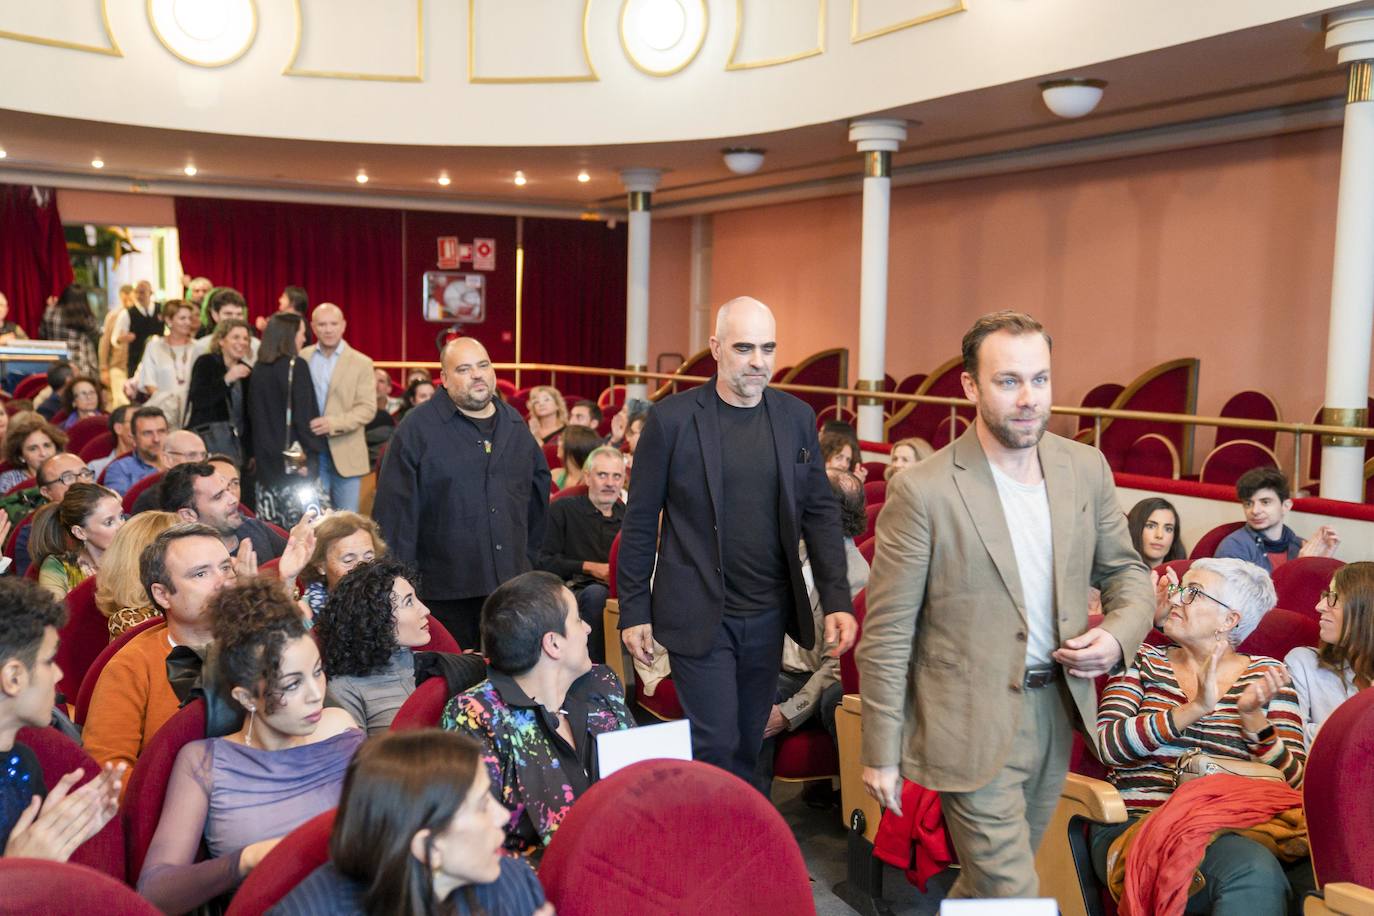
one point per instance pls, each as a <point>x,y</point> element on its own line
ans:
<point>877,139</point>
<point>699,329</point>
<point>1351,34</point>
<point>640,185</point>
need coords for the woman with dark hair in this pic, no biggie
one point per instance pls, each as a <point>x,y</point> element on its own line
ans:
<point>68,539</point>
<point>418,390</point>
<point>840,449</point>
<point>240,794</point>
<point>1156,531</point>
<point>368,632</point>
<point>70,319</point>
<point>1343,665</point>
<point>80,400</point>
<point>574,446</point>
<point>541,707</point>
<point>281,402</point>
<point>343,541</point>
<point>30,440</point>
<point>418,832</point>
<point>219,391</point>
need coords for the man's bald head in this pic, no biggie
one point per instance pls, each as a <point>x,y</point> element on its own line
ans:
<point>327,308</point>
<point>50,482</point>
<point>182,447</point>
<point>327,321</point>
<point>468,377</point>
<point>744,345</point>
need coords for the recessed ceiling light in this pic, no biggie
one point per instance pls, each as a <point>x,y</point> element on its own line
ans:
<point>583,177</point>
<point>190,171</point>
<point>445,181</point>
<point>519,179</point>
<point>97,163</point>
<point>3,154</point>
<point>362,178</point>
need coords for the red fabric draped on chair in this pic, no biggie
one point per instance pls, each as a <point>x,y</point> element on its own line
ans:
<point>829,368</point>
<point>1152,455</point>
<point>1167,388</point>
<point>705,842</point>
<point>1227,462</point>
<point>34,263</point>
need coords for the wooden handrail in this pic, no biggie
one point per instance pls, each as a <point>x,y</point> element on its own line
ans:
<point>1297,429</point>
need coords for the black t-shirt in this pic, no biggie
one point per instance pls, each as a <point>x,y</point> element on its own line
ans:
<point>752,558</point>
<point>21,778</point>
<point>486,429</point>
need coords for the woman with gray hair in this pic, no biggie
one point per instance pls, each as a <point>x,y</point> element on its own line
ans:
<point>1201,694</point>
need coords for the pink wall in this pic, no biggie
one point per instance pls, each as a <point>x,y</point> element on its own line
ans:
<point>1222,252</point>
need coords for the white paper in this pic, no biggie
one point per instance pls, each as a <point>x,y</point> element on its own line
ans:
<point>663,741</point>
<point>1024,907</point>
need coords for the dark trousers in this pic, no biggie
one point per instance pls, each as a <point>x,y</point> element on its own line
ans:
<point>591,607</point>
<point>728,692</point>
<point>462,617</point>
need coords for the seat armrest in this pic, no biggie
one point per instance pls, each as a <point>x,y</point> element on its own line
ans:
<point>852,702</point>
<point>1341,899</point>
<point>615,650</point>
<point>1093,799</point>
<point>1062,861</point>
<point>853,796</point>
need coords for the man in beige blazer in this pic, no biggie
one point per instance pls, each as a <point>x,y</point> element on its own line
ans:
<point>976,653</point>
<point>344,390</point>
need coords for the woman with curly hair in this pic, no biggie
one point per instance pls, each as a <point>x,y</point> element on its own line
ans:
<point>30,440</point>
<point>242,793</point>
<point>343,541</point>
<point>371,625</point>
<point>119,591</point>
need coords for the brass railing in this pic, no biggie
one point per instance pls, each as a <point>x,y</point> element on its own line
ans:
<point>1098,414</point>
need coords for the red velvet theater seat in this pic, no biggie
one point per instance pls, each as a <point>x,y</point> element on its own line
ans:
<point>292,860</point>
<point>30,385</point>
<point>137,489</point>
<point>1300,582</point>
<point>1280,631</point>
<point>1226,463</point>
<point>866,548</point>
<point>836,413</point>
<point>1152,455</point>
<point>92,677</point>
<point>828,368</point>
<point>147,785</point>
<point>423,708</point>
<point>1338,794</point>
<point>85,636</point>
<point>58,755</point>
<point>1170,387</point>
<point>1098,396</point>
<point>97,447</point>
<point>909,384</point>
<point>875,490</point>
<point>84,431</point>
<point>39,888</point>
<point>440,639</point>
<point>872,512</point>
<point>915,419</point>
<point>1249,405</point>
<point>664,704</point>
<point>808,753</point>
<point>1207,545</point>
<point>701,842</point>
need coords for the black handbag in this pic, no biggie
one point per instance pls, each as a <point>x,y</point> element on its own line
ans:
<point>293,456</point>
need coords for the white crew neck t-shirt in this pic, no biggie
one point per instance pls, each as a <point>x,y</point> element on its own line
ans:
<point>1027,511</point>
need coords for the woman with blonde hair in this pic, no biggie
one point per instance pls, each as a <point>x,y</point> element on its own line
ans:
<point>343,540</point>
<point>119,591</point>
<point>905,453</point>
<point>548,413</point>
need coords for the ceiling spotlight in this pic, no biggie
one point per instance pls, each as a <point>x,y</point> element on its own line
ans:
<point>743,160</point>
<point>583,177</point>
<point>445,181</point>
<point>3,154</point>
<point>97,163</point>
<point>1072,98</point>
<point>190,171</point>
<point>519,179</point>
<point>362,178</point>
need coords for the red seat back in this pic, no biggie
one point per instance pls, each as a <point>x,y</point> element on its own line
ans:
<point>85,636</point>
<point>705,842</point>
<point>137,489</point>
<point>875,471</point>
<point>551,455</point>
<point>849,671</point>
<point>519,399</point>
<point>1227,462</point>
<point>92,676</point>
<point>1280,631</point>
<point>1300,582</point>
<point>1249,405</point>
<point>871,511</point>
<point>84,431</point>
<point>13,539</point>
<point>147,785</point>
<point>866,548</point>
<point>807,753</point>
<point>947,430</point>
<point>611,399</point>
<point>289,863</point>
<point>98,446</point>
<point>506,387</point>
<point>1152,455</point>
<point>1338,794</point>
<point>41,888</point>
<point>24,484</point>
<point>440,639</point>
<point>30,385</point>
<point>875,489</point>
<point>1207,545</point>
<point>423,708</point>
<point>577,490</point>
<point>614,563</point>
<point>58,755</point>
<point>1103,395</point>
<point>909,385</point>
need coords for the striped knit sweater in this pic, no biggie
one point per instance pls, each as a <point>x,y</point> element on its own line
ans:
<point>1140,742</point>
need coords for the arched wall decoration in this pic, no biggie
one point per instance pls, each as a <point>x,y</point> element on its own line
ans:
<point>855,36</point>
<point>590,76</point>
<point>113,50</point>
<point>417,77</point>
<point>630,54</point>
<point>164,11</point>
<point>734,64</point>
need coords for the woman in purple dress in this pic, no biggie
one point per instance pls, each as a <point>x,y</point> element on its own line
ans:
<point>240,794</point>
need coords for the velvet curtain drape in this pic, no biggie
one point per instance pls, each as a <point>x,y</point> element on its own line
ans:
<point>574,299</point>
<point>350,256</point>
<point>34,263</point>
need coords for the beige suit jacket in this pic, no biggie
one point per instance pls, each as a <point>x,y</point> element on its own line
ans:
<point>349,406</point>
<point>943,650</point>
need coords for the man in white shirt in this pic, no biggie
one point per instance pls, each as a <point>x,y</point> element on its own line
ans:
<point>345,389</point>
<point>141,319</point>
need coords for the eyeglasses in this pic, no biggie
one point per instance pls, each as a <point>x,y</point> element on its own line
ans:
<point>1189,592</point>
<point>1329,596</point>
<point>85,475</point>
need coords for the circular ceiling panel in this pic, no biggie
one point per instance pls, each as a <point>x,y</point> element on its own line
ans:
<point>661,37</point>
<point>205,33</point>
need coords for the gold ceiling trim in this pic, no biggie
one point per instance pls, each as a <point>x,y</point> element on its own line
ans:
<point>701,42</point>
<point>590,76</point>
<point>733,64</point>
<point>417,77</point>
<point>112,51</point>
<point>224,62</point>
<point>855,36</point>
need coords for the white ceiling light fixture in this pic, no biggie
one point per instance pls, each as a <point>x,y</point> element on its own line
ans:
<point>519,179</point>
<point>444,180</point>
<point>743,160</point>
<point>660,24</point>
<point>583,176</point>
<point>1072,98</point>
<point>362,178</point>
<point>3,154</point>
<point>190,171</point>
<point>97,163</point>
<point>206,33</point>
<point>660,37</point>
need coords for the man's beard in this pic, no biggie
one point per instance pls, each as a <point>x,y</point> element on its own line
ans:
<point>471,402</point>
<point>1008,435</point>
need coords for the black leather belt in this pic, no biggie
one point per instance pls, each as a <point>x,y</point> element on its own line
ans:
<point>1040,677</point>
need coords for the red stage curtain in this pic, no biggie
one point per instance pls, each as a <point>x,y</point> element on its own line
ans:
<point>347,255</point>
<point>34,263</point>
<point>574,298</point>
